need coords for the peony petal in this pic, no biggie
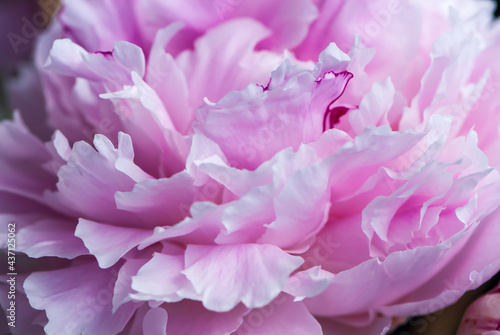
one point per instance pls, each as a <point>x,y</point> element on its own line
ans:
<point>225,275</point>
<point>219,61</point>
<point>155,322</point>
<point>309,283</point>
<point>181,321</point>
<point>375,106</point>
<point>123,285</point>
<point>299,215</point>
<point>475,262</point>
<point>26,319</point>
<point>288,20</point>
<point>22,157</point>
<point>290,111</point>
<point>148,284</point>
<point>109,243</point>
<point>50,237</point>
<point>281,316</point>
<point>88,182</point>
<point>159,202</point>
<point>167,79</point>
<point>337,326</point>
<point>90,287</point>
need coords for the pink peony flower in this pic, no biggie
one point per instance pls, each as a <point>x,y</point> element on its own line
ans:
<point>482,316</point>
<point>253,168</point>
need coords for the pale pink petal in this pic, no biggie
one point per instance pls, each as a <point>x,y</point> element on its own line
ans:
<point>160,279</point>
<point>161,150</point>
<point>374,108</point>
<point>219,61</point>
<point>159,202</point>
<point>109,243</point>
<point>50,237</point>
<point>88,182</point>
<point>299,215</point>
<point>288,112</point>
<point>309,283</point>
<point>288,20</point>
<point>202,227</point>
<point>226,275</point>
<point>70,59</point>
<point>472,265</point>
<point>167,79</point>
<point>123,285</point>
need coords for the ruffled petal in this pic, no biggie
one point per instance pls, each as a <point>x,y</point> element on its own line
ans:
<point>226,275</point>
<point>90,287</point>
<point>109,243</point>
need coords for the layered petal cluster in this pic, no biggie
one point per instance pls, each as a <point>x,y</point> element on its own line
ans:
<point>270,167</point>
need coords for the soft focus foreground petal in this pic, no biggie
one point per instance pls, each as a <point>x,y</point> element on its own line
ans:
<point>26,319</point>
<point>181,321</point>
<point>155,322</point>
<point>371,326</point>
<point>50,236</point>
<point>281,316</point>
<point>40,231</point>
<point>22,157</point>
<point>249,273</point>
<point>77,300</point>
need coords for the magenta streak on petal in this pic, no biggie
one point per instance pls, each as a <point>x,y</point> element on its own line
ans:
<point>105,53</point>
<point>266,88</point>
<point>336,113</point>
